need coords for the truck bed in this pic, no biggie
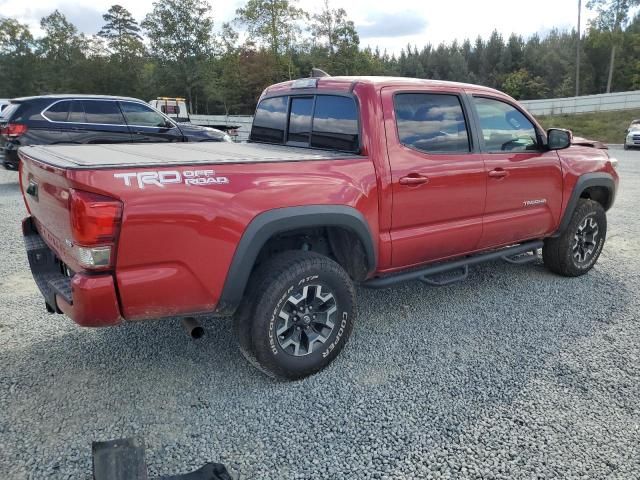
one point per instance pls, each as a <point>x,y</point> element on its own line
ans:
<point>78,157</point>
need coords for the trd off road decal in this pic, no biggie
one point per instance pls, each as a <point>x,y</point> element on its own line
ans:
<point>169,177</point>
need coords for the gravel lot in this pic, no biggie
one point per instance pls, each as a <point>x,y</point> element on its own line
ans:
<point>515,373</point>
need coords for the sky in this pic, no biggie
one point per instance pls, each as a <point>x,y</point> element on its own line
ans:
<point>389,25</point>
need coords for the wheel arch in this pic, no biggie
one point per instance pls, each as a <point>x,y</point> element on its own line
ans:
<point>273,222</point>
<point>597,186</point>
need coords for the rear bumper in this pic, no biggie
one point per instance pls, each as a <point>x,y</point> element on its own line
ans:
<point>89,300</point>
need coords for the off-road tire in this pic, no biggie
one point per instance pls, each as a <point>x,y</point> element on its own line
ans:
<point>559,253</point>
<point>270,290</point>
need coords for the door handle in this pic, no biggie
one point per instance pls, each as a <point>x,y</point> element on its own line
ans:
<point>498,173</point>
<point>413,179</point>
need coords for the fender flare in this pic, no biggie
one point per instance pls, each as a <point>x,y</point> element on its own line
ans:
<point>596,179</point>
<point>270,223</point>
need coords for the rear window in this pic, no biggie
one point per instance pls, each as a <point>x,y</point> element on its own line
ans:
<point>103,112</point>
<point>270,120</point>
<point>170,109</point>
<point>319,121</point>
<point>335,123</point>
<point>58,112</point>
<point>9,110</point>
<point>300,119</point>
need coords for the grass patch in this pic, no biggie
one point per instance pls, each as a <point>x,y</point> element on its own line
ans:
<point>608,127</point>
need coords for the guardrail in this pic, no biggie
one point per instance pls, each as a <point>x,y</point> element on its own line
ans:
<point>243,122</point>
<point>603,102</point>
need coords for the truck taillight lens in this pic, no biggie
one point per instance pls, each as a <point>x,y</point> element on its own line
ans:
<point>95,219</point>
<point>13,130</point>
<point>95,222</point>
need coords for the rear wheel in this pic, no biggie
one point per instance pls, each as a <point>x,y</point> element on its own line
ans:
<point>577,250</point>
<point>297,315</point>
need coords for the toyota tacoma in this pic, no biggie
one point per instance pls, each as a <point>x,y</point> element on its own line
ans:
<point>345,181</point>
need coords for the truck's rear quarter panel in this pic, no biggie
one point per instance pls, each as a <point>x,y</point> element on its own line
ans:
<point>177,241</point>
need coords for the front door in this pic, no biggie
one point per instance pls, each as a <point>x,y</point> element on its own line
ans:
<point>524,180</point>
<point>147,125</point>
<point>438,178</point>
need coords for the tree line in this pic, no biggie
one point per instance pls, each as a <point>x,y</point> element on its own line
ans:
<point>174,51</point>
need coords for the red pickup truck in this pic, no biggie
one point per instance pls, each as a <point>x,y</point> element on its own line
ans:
<point>345,180</point>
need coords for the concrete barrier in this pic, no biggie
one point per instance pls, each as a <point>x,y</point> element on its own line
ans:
<point>603,102</point>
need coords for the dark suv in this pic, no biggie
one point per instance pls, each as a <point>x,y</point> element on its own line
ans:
<point>55,119</point>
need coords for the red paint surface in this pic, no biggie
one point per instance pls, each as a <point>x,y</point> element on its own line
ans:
<point>176,243</point>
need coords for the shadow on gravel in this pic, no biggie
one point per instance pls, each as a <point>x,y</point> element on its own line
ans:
<point>423,366</point>
<point>498,325</point>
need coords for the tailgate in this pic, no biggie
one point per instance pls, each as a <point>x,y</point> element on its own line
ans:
<point>46,192</point>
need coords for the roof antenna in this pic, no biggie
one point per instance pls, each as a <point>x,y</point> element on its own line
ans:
<point>317,73</point>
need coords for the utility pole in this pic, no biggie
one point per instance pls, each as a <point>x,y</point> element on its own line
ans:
<point>578,51</point>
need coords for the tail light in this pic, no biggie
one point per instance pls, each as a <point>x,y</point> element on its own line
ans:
<point>13,130</point>
<point>95,224</point>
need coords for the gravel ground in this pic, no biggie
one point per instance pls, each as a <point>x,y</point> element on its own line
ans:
<point>514,373</point>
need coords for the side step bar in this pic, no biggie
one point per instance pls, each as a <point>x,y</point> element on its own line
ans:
<point>511,254</point>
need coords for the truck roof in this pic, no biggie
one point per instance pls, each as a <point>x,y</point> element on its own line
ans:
<point>347,82</point>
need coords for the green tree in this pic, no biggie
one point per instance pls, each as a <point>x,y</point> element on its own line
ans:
<point>181,39</point>
<point>275,22</point>
<point>61,49</point>
<point>17,60</point>
<point>521,86</point>
<point>612,17</point>
<point>122,32</point>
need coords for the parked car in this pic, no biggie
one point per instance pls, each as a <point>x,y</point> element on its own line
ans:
<point>4,102</point>
<point>345,181</point>
<point>632,138</point>
<point>56,119</point>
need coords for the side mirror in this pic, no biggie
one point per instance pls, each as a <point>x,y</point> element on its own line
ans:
<point>558,138</point>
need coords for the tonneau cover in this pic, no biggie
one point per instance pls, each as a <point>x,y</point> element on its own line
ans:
<point>161,154</point>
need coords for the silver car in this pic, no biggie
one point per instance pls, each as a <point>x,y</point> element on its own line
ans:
<point>633,135</point>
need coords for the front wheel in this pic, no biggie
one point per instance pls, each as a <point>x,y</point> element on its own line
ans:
<point>577,250</point>
<point>298,314</point>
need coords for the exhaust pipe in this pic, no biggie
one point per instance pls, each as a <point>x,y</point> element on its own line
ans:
<point>193,327</point>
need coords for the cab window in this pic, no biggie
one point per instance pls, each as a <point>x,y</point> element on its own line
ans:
<point>504,127</point>
<point>319,121</point>
<point>431,122</point>
<point>270,120</point>
<point>335,124</point>
<point>300,120</point>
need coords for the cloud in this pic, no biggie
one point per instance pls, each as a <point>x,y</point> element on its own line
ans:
<point>389,25</point>
<point>86,19</point>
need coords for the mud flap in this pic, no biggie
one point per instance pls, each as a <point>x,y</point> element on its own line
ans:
<point>124,459</point>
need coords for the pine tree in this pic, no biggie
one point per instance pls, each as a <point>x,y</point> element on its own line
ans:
<point>122,32</point>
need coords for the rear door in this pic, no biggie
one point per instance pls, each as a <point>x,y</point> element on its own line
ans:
<point>97,121</point>
<point>524,179</point>
<point>44,127</point>
<point>147,125</point>
<point>438,177</point>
